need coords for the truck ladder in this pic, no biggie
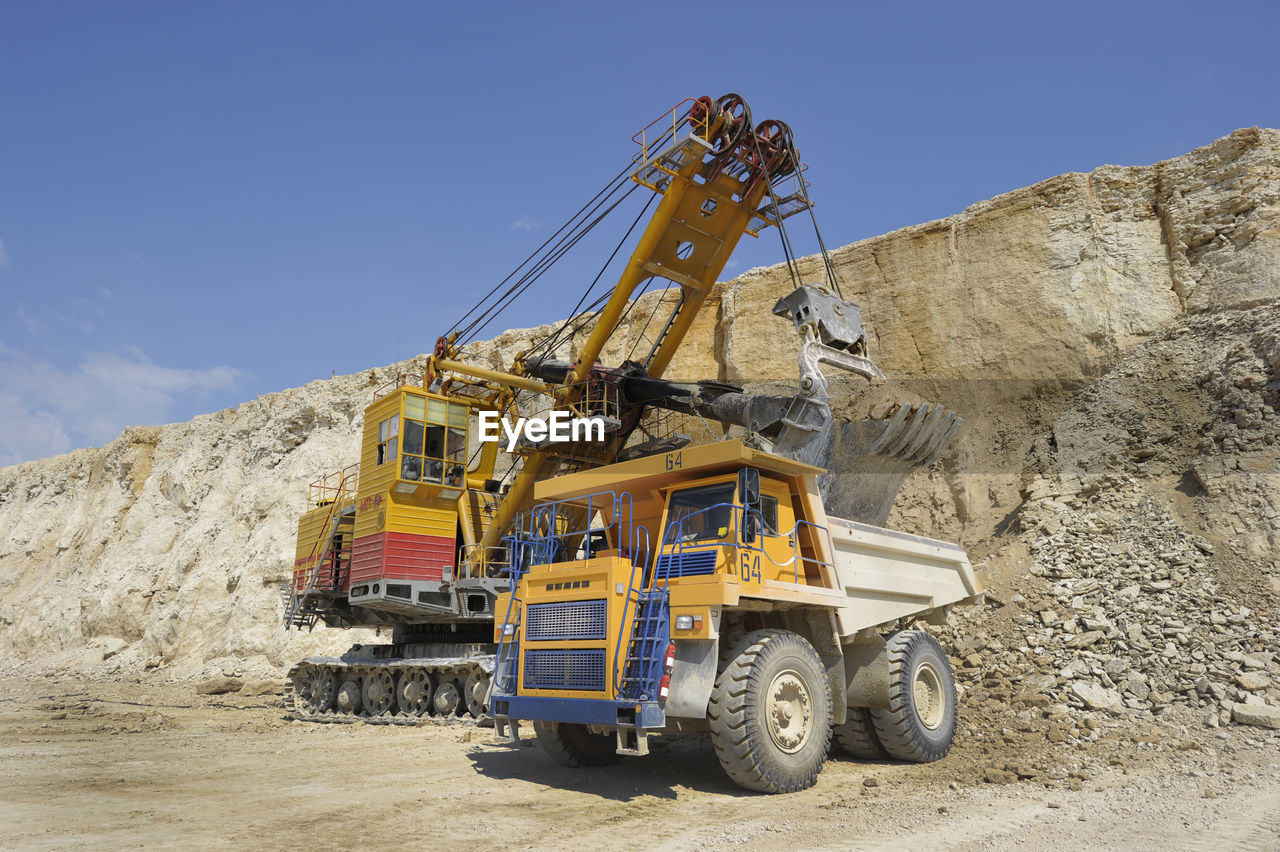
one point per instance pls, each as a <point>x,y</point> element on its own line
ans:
<point>506,669</point>
<point>650,635</point>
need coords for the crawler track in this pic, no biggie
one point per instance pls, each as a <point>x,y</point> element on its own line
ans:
<point>391,690</point>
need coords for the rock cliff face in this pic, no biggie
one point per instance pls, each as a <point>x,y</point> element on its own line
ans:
<point>1065,321</point>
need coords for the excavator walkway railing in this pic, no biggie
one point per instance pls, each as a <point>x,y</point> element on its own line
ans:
<point>330,555</point>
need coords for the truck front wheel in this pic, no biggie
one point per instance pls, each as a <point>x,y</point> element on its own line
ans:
<point>920,722</point>
<point>770,713</point>
<point>571,744</point>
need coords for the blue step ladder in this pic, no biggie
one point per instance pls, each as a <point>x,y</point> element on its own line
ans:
<point>643,666</point>
<point>507,664</point>
<point>505,672</point>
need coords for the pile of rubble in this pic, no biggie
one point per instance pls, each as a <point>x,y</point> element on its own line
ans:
<point>1147,591</point>
<point>1133,618</point>
<point>1120,613</point>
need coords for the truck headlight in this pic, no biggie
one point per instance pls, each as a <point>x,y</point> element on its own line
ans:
<point>508,630</point>
<point>684,622</point>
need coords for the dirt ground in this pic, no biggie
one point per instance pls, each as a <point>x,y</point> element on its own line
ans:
<point>112,765</point>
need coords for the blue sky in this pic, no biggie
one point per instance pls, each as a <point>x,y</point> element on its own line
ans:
<point>200,203</point>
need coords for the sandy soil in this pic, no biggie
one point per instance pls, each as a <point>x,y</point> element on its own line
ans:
<point>112,765</point>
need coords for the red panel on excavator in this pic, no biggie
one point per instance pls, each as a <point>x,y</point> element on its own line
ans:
<point>400,556</point>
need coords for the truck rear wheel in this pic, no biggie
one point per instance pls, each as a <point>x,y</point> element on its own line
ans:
<point>857,736</point>
<point>920,722</point>
<point>571,744</point>
<point>770,713</point>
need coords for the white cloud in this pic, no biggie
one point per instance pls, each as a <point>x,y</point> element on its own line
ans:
<point>4,257</point>
<point>27,434</point>
<point>34,326</point>
<point>524,223</point>
<point>45,409</point>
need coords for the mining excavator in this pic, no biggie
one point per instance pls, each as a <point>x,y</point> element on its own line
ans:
<point>620,581</point>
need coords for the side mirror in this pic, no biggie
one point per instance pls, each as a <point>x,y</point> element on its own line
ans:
<point>749,496</point>
<point>749,487</point>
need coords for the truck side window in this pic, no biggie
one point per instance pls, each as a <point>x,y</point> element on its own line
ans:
<point>769,509</point>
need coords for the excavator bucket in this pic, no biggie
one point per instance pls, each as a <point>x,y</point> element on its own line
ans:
<point>866,460</point>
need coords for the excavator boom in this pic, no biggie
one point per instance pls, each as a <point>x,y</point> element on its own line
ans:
<point>713,178</point>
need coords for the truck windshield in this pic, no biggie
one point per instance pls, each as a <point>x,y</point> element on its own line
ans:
<point>690,517</point>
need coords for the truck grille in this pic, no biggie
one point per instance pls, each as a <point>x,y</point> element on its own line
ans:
<point>687,564</point>
<point>565,621</point>
<point>579,669</point>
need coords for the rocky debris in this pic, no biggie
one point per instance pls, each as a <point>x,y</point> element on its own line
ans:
<point>1120,613</point>
<point>993,775</point>
<point>1009,771</point>
<point>1145,623</point>
<point>1096,697</point>
<point>262,687</point>
<point>1263,716</point>
<point>1145,598</point>
<point>1252,681</point>
<point>220,686</point>
<point>110,645</point>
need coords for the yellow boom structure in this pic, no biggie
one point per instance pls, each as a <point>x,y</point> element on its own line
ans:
<point>713,180</point>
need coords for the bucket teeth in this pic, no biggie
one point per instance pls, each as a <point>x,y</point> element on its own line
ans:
<point>867,461</point>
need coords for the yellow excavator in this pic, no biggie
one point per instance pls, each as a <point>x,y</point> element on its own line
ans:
<point>433,531</point>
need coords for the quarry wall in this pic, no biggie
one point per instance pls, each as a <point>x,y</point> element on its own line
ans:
<point>163,549</point>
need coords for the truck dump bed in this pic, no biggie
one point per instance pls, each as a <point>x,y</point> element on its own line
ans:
<point>887,575</point>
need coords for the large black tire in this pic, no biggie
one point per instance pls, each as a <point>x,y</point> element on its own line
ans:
<point>920,723</point>
<point>770,713</point>
<point>857,736</point>
<point>571,744</point>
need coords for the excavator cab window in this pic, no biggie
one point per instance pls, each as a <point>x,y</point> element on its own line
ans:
<point>388,430</point>
<point>700,514</point>
<point>434,447</point>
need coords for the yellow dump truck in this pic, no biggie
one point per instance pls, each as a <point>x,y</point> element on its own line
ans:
<point>706,590</point>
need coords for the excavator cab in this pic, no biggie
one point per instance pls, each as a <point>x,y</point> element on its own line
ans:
<point>413,470</point>
<point>388,545</point>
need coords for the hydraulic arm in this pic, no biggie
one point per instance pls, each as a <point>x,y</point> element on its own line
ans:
<point>713,178</point>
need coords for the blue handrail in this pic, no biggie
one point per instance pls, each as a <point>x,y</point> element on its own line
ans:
<point>546,528</point>
<point>647,586</point>
<point>675,538</point>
